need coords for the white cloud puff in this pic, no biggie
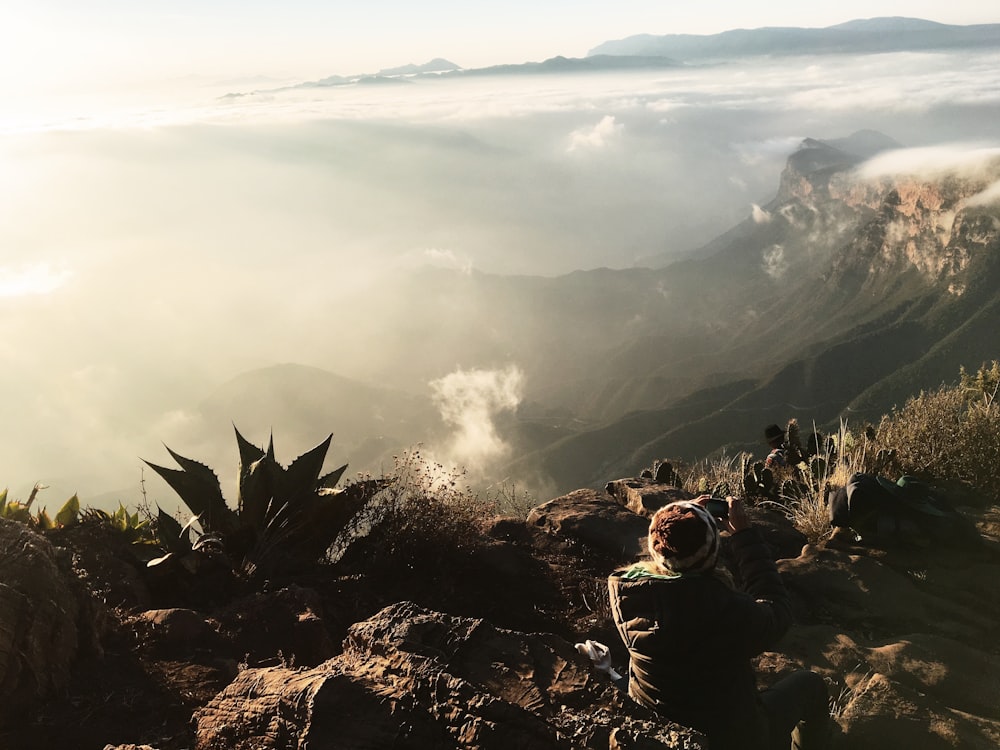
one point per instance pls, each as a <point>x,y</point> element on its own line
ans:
<point>600,136</point>
<point>469,401</point>
<point>38,278</point>
<point>990,196</point>
<point>760,215</point>
<point>958,158</point>
<point>448,259</point>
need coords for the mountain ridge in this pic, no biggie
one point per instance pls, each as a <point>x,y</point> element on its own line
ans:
<point>892,305</point>
<point>873,35</point>
<point>649,51</point>
<point>845,294</point>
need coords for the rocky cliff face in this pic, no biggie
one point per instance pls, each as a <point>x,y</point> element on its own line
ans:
<point>854,288</point>
<point>931,222</point>
<point>932,225</point>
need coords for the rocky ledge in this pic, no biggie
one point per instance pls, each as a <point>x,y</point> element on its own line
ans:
<point>476,651</point>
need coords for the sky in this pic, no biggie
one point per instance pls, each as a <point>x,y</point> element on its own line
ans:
<point>59,46</point>
<point>151,254</point>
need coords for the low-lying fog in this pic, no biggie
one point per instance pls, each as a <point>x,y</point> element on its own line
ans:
<point>150,256</point>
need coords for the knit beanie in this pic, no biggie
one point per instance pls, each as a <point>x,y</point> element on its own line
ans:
<point>683,537</point>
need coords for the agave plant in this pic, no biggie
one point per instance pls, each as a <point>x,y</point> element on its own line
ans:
<point>285,518</point>
<point>13,510</point>
<point>178,544</point>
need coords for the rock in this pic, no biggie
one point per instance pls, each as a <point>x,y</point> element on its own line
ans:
<point>177,626</point>
<point>413,678</point>
<point>38,621</point>
<point>644,496</point>
<point>856,591</point>
<point>595,519</point>
<point>784,539</point>
<point>956,675</point>
<point>882,708</point>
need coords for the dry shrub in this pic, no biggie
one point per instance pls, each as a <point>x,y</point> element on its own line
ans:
<point>950,433</point>
<point>426,517</point>
<point>802,489</point>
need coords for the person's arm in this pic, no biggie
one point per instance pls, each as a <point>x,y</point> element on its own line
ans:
<point>765,613</point>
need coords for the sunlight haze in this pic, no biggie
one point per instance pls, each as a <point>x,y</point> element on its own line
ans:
<point>58,45</point>
<point>159,238</point>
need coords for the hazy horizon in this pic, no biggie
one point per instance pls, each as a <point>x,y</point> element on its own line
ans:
<point>112,41</point>
<point>152,253</point>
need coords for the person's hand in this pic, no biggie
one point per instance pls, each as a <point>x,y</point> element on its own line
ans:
<point>600,656</point>
<point>738,519</point>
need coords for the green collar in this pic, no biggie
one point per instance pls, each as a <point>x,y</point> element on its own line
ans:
<point>639,571</point>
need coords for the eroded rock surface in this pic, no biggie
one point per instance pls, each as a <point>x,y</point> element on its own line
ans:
<point>38,621</point>
<point>596,519</point>
<point>412,678</point>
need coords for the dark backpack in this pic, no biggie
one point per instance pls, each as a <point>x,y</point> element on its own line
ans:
<point>875,505</point>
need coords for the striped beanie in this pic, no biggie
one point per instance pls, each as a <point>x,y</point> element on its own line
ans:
<point>683,538</point>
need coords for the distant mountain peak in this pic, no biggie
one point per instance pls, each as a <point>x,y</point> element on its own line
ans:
<point>860,36</point>
<point>889,23</point>
<point>437,65</point>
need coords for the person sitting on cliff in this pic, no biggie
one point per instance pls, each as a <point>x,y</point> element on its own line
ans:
<point>691,634</point>
<point>775,437</point>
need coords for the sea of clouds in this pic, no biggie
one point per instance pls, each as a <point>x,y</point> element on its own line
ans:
<point>150,254</point>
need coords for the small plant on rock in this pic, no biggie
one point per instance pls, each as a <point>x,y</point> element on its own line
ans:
<point>14,510</point>
<point>425,517</point>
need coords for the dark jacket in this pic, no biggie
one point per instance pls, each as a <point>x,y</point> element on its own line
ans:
<point>691,639</point>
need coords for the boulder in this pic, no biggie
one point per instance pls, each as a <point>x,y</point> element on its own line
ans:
<point>595,519</point>
<point>413,678</point>
<point>176,627</point>
<point>881,708</point>
<point>959,676</point>
<point>860,592</point>
<point>38,620</point>
<point>644,496</point>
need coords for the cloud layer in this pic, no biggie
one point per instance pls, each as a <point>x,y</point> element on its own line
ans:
<point>150,256</point>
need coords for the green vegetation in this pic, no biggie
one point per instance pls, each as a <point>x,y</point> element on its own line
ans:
<point>177,544</point>
<point>13,510</point>
<point>950,433</point>
<point>136,528</point>
<point>285,518</point>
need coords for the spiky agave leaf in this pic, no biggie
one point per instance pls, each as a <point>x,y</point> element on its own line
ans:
<point>199,488</point>
<point>15,511</point>
<point>302,476</point>
<point>253,491</point>
<point>69,514</point>
<point>249,453</point>
<point>43,521</point>
<point>273,496</point>
<point>171,536</point>
<point>256,490</point>
<point>168,529</point>
<point>298,536</point>
<point>329,481</point>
